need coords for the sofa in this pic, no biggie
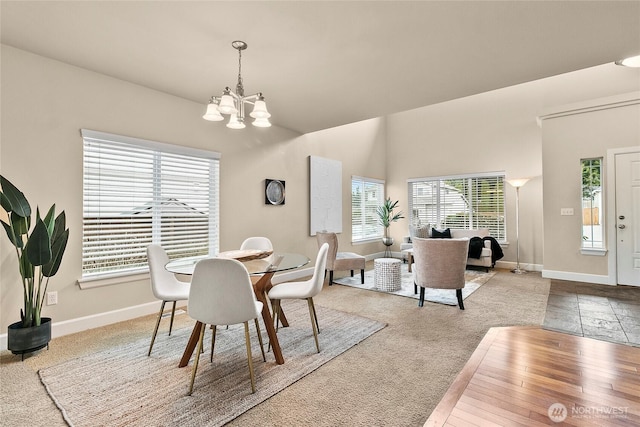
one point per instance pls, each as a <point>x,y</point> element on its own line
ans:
<point>485,260</point>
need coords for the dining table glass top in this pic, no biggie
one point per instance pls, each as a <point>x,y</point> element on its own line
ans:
<point>272,264</point>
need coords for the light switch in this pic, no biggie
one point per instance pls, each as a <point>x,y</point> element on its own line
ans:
<point>566,211</point>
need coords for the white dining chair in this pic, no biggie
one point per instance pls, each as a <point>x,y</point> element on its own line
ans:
<point>164,286</point>
<point>222,294</point>
<point>303,290</point>
<point>260,243</point>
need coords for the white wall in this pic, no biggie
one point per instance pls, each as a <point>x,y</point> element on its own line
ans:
<point>490,132</point>
<point>569,136</point>
<point>45,103</point>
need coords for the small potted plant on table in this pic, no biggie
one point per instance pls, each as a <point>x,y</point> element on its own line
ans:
<point>39,254</point>
<point>385,218</point>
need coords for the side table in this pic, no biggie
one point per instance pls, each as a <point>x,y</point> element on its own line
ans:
<point>386,273</point>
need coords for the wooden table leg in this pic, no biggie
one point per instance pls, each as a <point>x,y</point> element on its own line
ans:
<point>259,287</point>
<point>191,344</point>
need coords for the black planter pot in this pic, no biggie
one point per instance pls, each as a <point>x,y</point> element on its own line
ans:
<point>26,340</point>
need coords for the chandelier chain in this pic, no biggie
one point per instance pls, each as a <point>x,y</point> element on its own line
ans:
<point>240,87</point>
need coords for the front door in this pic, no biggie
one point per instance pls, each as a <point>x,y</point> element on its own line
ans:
<point>628,218</point>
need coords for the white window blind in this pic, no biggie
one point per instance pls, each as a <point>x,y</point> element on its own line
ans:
<point>466,202</point>
<point>366,195</point>
<point>138,192</point>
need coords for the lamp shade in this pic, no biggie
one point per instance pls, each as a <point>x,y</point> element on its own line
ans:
<point>227,106</point>
<point>262,123</point>
<point>212,114</point>
<point>518,182</point>
<point>234,123</point>
<point>260,110</point>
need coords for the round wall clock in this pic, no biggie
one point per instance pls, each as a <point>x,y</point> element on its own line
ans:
<point>274,192</point>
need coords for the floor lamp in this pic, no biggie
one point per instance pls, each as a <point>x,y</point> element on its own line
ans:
<point>517,183</point>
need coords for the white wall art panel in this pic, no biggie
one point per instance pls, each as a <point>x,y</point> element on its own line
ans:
<point>325,195</point>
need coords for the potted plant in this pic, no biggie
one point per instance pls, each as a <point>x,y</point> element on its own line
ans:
<point>386,217</point>
<point>39,254</point>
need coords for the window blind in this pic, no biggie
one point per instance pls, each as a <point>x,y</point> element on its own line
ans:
<point>366,195</point>
<point>138,192</point>
<point>466,202</point>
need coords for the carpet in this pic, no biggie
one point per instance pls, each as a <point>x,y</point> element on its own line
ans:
<point>122,386</point>
<point>473,280</point>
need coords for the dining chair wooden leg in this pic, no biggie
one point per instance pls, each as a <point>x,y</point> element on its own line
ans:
<point>155,331</point>
<point>264,358</point>
<point>330,277</point>
<point>362,276</point>
<point>173,313</point>
<point>214,329</point>
<point>248,344</point>
<point>195,364</point>
<point>313,323</point>
<point>421,301</point>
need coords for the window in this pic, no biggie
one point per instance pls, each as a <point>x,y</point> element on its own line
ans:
<point>138,192</point>
<point>592,230</point>
<point>366,195</point>
<point>466,202</point>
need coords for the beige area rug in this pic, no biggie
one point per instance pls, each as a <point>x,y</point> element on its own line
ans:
<point>122,386</point>
<point>473,280</point>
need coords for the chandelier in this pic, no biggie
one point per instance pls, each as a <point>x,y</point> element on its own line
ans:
<point>233,103</point>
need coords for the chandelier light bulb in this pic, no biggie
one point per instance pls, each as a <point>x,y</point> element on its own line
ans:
<point>235,123</point>
<point>261,123</point>
<point>260,110</point>
<point>212,114</point>
<point>227,106</point>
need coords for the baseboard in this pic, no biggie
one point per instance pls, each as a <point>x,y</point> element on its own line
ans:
<point>80,324</point>
<point>577,277</point>
<point>509,265</point>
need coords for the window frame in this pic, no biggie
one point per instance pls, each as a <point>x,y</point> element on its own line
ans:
<point>585,248</point>
<point>379,229</point>
<point>439,182</point>
<point>172,155</point>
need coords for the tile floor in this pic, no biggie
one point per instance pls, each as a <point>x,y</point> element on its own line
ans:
<point>609,313</point>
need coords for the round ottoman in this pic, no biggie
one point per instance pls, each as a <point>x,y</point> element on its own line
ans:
<point>386,273</point>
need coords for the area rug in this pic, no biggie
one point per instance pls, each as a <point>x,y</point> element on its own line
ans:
<point>122,386</point>
<point>473,280</point>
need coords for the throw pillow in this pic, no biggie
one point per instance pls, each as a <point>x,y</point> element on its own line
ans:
<point>422,232</point>
<point>435,234</point>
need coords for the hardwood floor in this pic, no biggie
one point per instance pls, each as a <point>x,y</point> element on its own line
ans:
<point>522,376</point>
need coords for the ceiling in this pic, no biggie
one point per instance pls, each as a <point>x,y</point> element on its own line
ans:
<point>322,64</point>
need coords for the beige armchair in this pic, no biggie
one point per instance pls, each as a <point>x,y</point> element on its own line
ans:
<point>340,261</point>
<point>439,264</point>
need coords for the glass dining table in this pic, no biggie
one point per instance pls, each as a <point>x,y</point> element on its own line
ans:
<point>261,271</point>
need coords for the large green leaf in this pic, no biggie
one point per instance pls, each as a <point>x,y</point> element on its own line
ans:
<point>49,219</point>
<point>10,234</point>
<point>38,246</point>
<point>5,203</point>
<point>20,226</point>
<point>15,197</point>
<point>57,250</point>
<point>26,268</point>
<point>60,226</point>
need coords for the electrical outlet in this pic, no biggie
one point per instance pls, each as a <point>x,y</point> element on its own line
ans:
<point>52,298</point>
<point>566,211</point>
